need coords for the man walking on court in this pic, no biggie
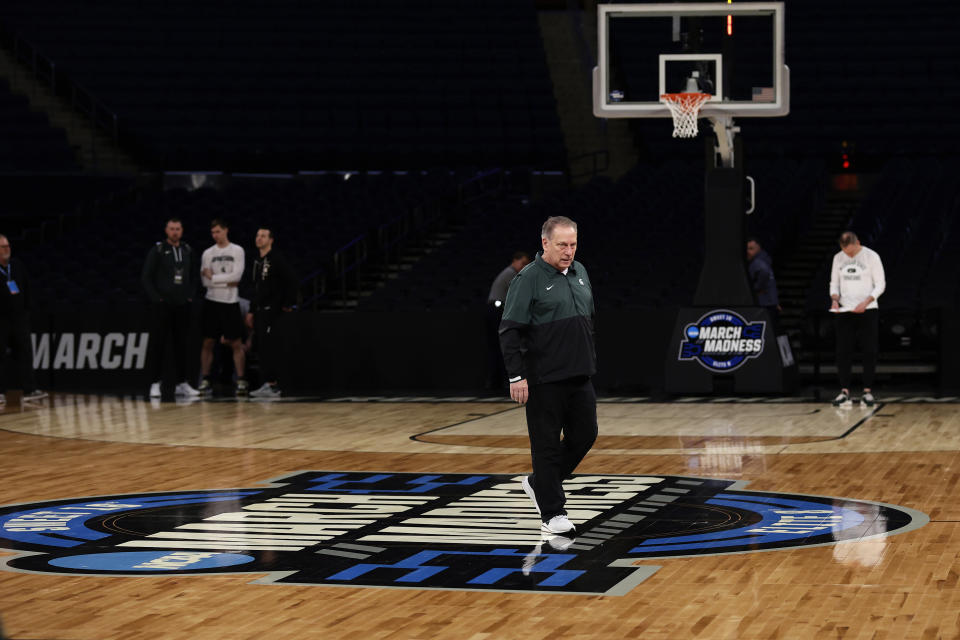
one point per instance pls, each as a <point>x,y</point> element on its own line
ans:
<point>547,339</point>
<point>856,281</point>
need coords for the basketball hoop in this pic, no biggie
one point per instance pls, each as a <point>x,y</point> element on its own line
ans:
<point>685,109</point>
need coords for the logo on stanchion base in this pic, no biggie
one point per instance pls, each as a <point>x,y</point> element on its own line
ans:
<point>722,340</point>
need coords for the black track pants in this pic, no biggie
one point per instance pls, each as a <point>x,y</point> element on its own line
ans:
<point>169,320</point>
<point>569,408</point>
<point>851,328</point>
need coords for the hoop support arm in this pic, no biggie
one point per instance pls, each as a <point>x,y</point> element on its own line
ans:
<point>726,131</point>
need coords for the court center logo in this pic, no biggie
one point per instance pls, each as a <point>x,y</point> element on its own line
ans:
<point>439,531</point>
<point>722,340</point>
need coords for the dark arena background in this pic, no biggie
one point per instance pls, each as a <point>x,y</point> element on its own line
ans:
<point>401,152</point>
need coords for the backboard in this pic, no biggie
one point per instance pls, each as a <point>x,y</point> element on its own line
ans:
<point>732,50</point>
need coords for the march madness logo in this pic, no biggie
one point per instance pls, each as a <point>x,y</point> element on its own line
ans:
<point>440,531</point>
<point>722,340</point>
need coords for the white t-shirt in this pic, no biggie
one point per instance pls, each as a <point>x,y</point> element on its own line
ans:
<point>855,279</point>
<point>227,267</point>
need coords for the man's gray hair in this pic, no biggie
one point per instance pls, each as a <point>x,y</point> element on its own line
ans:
<point>556,221</point>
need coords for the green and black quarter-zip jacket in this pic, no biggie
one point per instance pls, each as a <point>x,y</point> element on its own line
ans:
<point>547,334</point>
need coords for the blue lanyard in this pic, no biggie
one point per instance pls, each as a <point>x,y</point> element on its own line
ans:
<point>6,271</point>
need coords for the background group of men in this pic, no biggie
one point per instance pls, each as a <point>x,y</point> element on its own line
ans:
<point>857,279</point>
<point>172,279</point>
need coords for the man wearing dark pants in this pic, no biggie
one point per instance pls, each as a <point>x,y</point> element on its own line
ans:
<point>547,339</point>
<point>169,280</point>
<point>274,293</point>
<point>856,281</point>
<point>221,269</point>
<point>15,323</point>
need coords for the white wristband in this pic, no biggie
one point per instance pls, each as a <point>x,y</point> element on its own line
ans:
<point>517,379</point>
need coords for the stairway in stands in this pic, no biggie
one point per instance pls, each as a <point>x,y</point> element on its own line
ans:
<point>796,277</point>
<point>95,151</point>
<point>385,269</point>
<point>594,146</point>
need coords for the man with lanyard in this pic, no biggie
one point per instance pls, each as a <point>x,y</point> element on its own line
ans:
<point>15,324</point>
<point>170,283</point>
<point>274,293</point>
<point>547,339</point>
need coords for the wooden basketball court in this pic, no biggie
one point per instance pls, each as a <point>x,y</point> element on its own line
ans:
<point>903,453</point>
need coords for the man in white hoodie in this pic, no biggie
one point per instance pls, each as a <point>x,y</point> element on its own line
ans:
<point>856,281</point>
<point>221,269</point>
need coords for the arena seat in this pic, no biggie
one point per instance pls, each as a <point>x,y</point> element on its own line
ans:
<point>312,217</point>
<point>244,85</point>
<point>30,143</point>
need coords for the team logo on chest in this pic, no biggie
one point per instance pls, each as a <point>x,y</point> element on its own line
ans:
<point>852,271</point>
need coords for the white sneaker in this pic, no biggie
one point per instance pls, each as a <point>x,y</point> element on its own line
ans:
<point>155,390</point>
<point>36,394</point>
<point>558,524</point>
<point>841,399</point>
<point>525,483</point>
<point>266,391</point>
<point>868,399</point>
<point>184,389</point>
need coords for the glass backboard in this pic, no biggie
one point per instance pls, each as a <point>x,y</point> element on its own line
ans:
<point>733,51</point>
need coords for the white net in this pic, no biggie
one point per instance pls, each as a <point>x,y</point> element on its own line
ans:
<point>685,108</point>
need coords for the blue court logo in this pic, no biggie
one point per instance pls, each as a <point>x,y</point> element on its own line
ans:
<point>437,531</point>
<point>722,340</point>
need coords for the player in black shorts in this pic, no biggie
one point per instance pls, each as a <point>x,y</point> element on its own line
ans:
<point>221,268</point>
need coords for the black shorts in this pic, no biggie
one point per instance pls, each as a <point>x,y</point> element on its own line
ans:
<point>221,319</point>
